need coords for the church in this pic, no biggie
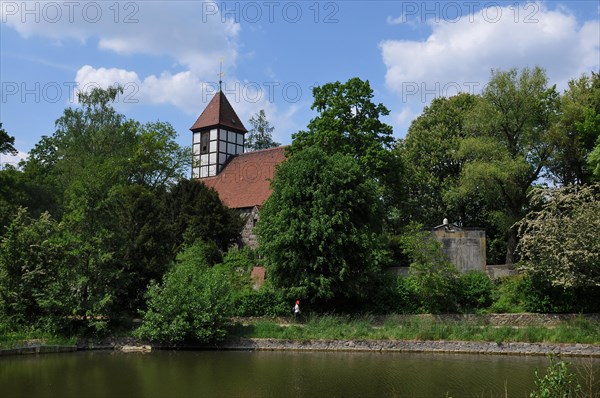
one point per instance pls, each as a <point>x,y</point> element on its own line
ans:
<point>242,179</point>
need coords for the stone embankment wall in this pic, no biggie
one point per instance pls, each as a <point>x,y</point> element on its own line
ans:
<point>471,347</point>
<point>464,347</point>
<point>509,320</point>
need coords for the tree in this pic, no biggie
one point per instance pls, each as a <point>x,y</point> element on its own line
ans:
<point>260,136</point>
<point>510,146</point>
<point>192,303</point>
<point>349,123</point>
<point>196,212</point>
<point>559,242</point>
<point>158,161</point>
<point>6,143</point>
<point>432,169</point>
<point>576,131</point>
<point>319,230</point>
<point>107,177</point>
<point>13,194</point>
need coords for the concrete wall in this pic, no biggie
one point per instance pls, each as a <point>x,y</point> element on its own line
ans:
<point>464,248</point>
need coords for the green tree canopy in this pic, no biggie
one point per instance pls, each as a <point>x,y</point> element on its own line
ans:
<point>431,166</point>
<point>594,162</point>
<point>348,122</point>
<point>196,212</point>
<point>106,177</point>
<point>510,146</point>
<point>576,131</point>
<point>6,143</point>
<point>260,135</point>
<point>319,230</point>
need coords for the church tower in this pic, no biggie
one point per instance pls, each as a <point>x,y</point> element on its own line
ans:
<point>218,134</point>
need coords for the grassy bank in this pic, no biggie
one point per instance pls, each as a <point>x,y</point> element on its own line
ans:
<point>345,328</point>
<point>328,327</point>
<point>23,338</point>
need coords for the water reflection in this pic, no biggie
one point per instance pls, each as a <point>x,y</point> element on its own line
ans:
<point>267,374</point>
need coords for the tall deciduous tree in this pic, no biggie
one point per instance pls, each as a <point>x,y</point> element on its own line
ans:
<point>319,230</point>
<point>510,146</point>
<point>260,135</point>
<point>348,122</point>
<point>7,143</point>
<point>577,131</point>
<point>108,177</point>
<point>196,213</point>
<point>432,168</point>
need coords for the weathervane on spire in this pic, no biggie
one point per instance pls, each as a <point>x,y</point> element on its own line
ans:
<point>220,73</point>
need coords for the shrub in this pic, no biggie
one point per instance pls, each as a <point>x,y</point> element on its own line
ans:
<point>540,295</point>
<point>240,259</point>
<point>433,279</point>
<point>475,290</point>
<point>35,270</point>
<point>393,294</point>
<point>508,295</point>
<point>201,253</point>
<point>192,303</point>
<point>262,302</point>
<point>558,382</point>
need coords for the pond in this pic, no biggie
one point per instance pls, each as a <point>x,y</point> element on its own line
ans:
<point>268,374</point>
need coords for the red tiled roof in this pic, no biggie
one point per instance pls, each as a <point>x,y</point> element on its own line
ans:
<point>245,181</point>
<point>219,112</point>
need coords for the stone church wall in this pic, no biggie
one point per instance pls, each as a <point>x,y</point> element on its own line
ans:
<point>251,216</point>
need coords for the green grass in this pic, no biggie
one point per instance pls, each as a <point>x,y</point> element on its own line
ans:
<point>364,328</point>
<point>21,339</point>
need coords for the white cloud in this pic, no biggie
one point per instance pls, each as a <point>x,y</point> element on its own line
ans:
<point>459,55</point>
<point>466,51</point>
<point>187,92</point>
<point>12,160</point>
<point>192,33</point>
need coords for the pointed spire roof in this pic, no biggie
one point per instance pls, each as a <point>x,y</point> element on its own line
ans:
<point>219,112</point>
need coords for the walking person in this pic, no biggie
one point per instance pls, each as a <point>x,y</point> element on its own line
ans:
<point>297,311</point>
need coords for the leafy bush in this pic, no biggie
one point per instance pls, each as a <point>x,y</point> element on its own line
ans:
<point>393,294</point>
<point>35,267</point>
<point>531,293</point>
<point>475,290</point>
<point>541,296</point>
<point>240,259</point>
<point>508,295</point>
<point>559,243</point>
<point>558,382</point>
<point>433,279</point>
<point>262,302</point>
<point>192,303</point>
<point>202,253</point>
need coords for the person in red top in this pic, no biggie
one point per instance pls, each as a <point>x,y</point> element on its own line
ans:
<point>297,311</point>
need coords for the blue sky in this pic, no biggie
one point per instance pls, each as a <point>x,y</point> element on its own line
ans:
<point>167,55</point>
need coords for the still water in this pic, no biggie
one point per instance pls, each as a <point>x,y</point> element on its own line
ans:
<point>267,374</point>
